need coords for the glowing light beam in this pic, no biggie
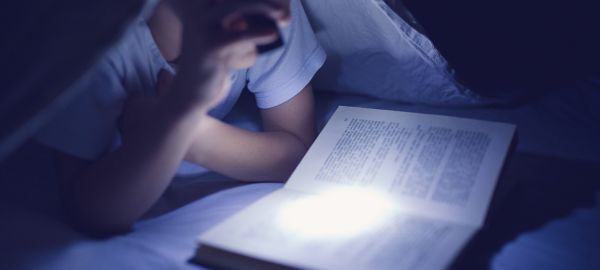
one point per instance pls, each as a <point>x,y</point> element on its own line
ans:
<point>335,214</point>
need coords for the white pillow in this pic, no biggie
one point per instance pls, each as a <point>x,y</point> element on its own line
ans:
<point>373,51</point>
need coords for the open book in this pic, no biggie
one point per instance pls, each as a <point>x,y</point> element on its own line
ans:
<point>377,190</point>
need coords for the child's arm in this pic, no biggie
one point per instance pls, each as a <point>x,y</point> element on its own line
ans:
<point>110,194</point>
<point>289,127</point>
<point>258,156</point>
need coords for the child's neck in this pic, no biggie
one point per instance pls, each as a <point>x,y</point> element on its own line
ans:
<point>167,31</point>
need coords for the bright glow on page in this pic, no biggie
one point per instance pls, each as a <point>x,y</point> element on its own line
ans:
<point>445,167</point>
<point>377,190</point>
<point>398,241</point>
<point>336,214</point>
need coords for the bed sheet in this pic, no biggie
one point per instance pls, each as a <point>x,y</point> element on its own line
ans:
<point>35,240</point>
<point>568,243</point>
<point>34,235</point>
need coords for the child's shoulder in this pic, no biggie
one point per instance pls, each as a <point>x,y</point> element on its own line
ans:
<point>135,57</point>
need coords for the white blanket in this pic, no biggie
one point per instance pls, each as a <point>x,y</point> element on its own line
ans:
<point>33,235</point>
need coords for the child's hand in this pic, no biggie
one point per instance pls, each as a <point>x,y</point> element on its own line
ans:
<point>215,41</point>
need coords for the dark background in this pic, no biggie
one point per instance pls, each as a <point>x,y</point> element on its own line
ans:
<point>514,48</point>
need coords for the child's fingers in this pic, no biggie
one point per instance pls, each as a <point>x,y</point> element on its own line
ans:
<point>230,11</point>
<point>253,21</point>
<point>164,81</point>
<point>225,22</point>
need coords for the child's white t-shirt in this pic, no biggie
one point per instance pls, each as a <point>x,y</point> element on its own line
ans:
<point>87,128</point>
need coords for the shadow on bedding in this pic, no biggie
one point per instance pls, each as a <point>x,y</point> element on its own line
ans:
<point>184,190</point>
<point>532,192</point>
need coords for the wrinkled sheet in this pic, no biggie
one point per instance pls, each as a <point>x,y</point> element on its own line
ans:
<point>373,51</point>
<point>34,235</point>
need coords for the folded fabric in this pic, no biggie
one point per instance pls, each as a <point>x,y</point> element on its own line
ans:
<point>373,51</point>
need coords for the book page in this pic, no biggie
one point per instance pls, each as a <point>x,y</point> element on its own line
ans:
<point>296,230</point>
<point>445,167</point>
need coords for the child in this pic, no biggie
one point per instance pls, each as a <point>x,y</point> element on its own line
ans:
<point>120,143</point>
